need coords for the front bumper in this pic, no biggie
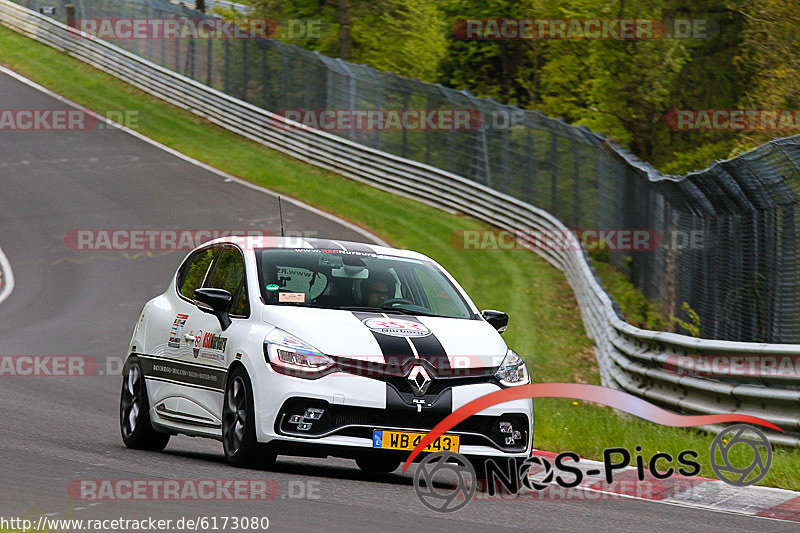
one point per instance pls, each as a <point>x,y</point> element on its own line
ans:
<point>353,406</point>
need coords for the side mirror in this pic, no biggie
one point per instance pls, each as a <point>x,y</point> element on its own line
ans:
<point>498,319</point>
<point>216,302</point>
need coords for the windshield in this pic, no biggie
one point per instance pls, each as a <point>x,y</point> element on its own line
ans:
<point>357,281</point>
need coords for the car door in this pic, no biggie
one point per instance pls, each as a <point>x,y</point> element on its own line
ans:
<point>209,353</point>
<point>170,339</point>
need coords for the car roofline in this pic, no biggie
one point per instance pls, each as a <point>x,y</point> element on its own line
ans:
<point>254,242</point>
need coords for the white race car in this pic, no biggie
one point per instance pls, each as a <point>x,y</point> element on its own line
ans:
<point>319,348</point>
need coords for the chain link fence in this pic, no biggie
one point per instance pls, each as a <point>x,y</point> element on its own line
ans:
<point>729,232</point>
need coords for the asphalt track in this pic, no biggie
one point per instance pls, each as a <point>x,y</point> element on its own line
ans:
<point>55,430</point>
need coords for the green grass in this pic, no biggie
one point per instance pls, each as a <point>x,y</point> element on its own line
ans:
<point>545,326</point>
<point>637,309</point>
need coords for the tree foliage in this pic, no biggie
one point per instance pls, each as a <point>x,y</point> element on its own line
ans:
<point>402,36</point>
<point>622,88</point>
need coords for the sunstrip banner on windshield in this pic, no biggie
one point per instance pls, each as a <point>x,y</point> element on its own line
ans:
<point>357,247</point>
<point>328,245</point>
<point>619,400</point>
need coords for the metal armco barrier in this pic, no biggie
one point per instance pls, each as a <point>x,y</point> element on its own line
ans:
<point>630,358</point>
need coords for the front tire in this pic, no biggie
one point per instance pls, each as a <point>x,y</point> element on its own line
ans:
<point>239,425</point>
<point>134,411</point>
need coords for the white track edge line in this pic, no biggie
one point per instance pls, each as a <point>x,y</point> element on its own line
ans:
<point>8,277</point>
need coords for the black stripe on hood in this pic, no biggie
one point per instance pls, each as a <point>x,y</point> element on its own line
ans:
<point>431,349</point>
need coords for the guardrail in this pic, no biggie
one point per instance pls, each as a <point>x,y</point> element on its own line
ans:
<point>630,359</point>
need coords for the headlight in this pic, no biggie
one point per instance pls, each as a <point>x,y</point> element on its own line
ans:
<point>289,355</point>
<point>512,371</point>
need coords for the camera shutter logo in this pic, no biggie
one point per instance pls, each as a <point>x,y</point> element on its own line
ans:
<point>445,499</point>
<point>730,437</point>
<point>544,478</point>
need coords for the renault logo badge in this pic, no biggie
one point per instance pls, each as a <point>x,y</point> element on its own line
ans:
<point>420,380</point>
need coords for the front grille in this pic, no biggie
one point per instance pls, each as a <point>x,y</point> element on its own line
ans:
<point>437,385</point>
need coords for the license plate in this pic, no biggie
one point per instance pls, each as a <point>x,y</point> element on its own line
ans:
<point>405,440</point>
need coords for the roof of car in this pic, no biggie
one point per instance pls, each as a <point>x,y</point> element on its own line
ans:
<point>271,241</point>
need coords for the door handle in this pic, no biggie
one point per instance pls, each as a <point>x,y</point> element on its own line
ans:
<point>189,338</point>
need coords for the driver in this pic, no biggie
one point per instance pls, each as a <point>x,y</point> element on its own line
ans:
<point>379,287</point>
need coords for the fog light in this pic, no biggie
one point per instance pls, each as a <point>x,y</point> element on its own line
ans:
<point>505,427</point>
<point>313,413</point>
<point>516,435</point>
<point>304,426</point>
<point>510,441</point>
<point>295,419</point>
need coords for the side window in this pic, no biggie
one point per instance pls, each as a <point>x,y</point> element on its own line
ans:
<point>229,275</point>
<point>195,272</point>
<point>241,305</point>
<point>440,295</point>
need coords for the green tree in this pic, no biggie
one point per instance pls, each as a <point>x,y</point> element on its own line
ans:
<point>402,36</point>
<point>769,56</point>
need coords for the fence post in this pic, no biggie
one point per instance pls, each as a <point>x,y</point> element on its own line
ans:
<point>209,60</point>
<point>554,174</point>
<point>70,8</point>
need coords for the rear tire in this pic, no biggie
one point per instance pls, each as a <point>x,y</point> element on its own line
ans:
<point>134,411</point>
<point>239,424</point>
<point>380,465</point>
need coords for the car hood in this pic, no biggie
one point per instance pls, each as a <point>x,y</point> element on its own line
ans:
<point>385,337</point>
